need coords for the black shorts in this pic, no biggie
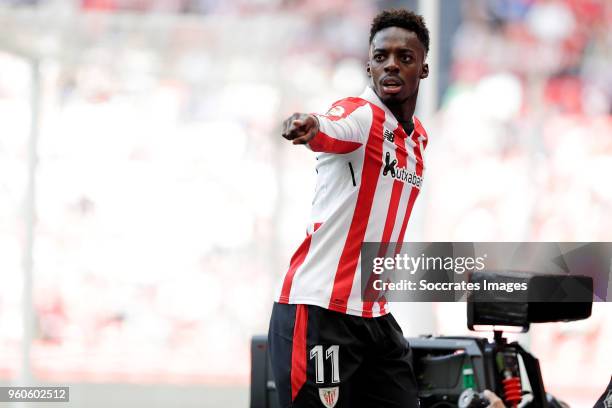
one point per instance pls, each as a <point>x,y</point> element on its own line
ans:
<point>322,358</point>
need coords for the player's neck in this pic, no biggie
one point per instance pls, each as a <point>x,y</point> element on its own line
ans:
<point>403,111</point>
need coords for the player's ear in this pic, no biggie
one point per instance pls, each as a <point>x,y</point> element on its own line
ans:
<point>425,71</point>
<point>368,69</point>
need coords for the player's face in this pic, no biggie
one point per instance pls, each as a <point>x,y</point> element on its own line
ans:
<point>396,64</point>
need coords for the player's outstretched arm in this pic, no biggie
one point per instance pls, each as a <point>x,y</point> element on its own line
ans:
<point>300,128</point>
<point>343,129</point>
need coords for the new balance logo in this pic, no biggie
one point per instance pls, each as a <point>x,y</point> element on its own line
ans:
<point>400,173</point>
<point>387,134</point>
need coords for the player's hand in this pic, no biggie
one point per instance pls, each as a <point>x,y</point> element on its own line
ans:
<point>300,128</point>
<point>494,400</point>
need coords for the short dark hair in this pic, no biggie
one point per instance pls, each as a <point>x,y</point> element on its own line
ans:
<point>404,19</point>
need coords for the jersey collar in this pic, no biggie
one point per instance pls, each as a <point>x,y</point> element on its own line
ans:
<point>370,96</point>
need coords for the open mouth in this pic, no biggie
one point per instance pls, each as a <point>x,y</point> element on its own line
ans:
<point>391,85</point>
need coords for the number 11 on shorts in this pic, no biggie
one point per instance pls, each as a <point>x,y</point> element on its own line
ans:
<point>332,352</point>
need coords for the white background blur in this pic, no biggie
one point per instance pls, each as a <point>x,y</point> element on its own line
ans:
<point>142,249</point>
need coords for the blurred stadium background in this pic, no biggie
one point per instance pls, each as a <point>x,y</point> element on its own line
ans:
<point>148,206</point>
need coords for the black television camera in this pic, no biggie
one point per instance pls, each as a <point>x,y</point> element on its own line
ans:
<point>453,371</point>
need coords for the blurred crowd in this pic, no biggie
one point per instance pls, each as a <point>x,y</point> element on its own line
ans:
<point>163,199</point>
<point>527,120</point>
<point>167,207</point>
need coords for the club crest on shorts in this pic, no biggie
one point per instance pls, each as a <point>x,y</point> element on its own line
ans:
<point>329,396</point>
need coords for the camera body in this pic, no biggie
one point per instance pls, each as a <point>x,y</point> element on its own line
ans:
<point>446,367</point>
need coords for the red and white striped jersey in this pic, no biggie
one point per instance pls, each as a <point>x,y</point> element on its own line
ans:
<point>369,173</point>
